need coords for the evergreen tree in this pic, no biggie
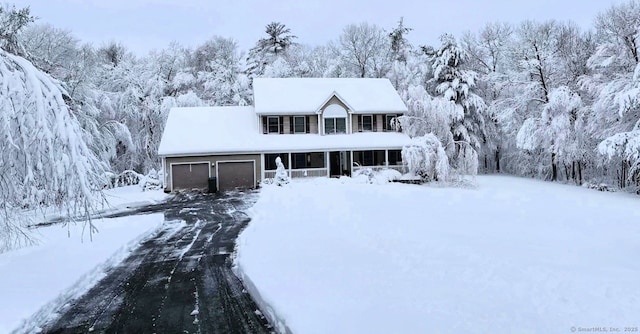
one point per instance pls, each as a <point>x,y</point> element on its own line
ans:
<point>465,109</point>
<point>400,46</point>
<point>266,50</point>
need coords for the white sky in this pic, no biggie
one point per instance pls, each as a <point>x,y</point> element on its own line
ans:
<point>143,25</point>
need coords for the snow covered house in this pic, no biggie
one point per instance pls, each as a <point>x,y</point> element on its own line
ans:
<point>317,126</point>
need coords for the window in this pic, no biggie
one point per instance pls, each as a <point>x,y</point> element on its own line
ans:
<point>299,160</point>
<point>335,125</point>
<point>367,122</point>
<point>388,124</point>
<point>368,158</point>
<point>299,124</point>
<point>273,124</point>
<point>270,160</point>
<point>308,160</point>
<point>395,157</point>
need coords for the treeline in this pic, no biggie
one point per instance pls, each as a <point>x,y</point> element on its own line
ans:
<point>541,99</point>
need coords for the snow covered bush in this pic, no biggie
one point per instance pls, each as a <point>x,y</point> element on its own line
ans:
<point>126,178</point>
<point>425,157</point>
<point>386,176</point>
<point>368,175</point>
<point>151,181</point>
<point>282,177</point>
<point>598,186</point>
<point>365,175</point>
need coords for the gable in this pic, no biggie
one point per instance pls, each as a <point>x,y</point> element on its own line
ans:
<point>333,100</point>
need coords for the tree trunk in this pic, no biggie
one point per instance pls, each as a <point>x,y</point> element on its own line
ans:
<point>554,168</point>
<point>579,173</point>
<point>498,160</point>
<point>486,164</point>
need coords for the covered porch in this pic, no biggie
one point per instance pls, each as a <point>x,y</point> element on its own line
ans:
<point>332,163</point>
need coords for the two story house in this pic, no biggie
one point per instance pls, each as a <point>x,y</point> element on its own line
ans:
<point>317,126</point>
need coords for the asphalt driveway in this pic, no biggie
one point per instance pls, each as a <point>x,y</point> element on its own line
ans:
<point>179,281</point>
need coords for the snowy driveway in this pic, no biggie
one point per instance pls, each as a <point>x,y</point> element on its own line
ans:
<point>179,281</point>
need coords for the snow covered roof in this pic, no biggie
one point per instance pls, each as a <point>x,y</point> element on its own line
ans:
<point>226,130</point>
<point>308,95</point>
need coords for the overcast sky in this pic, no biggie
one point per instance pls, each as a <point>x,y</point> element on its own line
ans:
<point>143,25</point>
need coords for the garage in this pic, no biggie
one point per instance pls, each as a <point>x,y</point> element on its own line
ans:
<point>190,175</point>
<point>236,174</point>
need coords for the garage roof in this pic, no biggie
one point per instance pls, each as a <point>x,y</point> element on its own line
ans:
<point>308,95</point>
<point>216,130</point>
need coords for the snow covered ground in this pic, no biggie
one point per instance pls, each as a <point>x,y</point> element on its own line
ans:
<point>34,280</point>
<point>510,256</point>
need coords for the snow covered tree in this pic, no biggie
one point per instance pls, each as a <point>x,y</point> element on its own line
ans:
<point>266,50</point>
<point>364,50</point>
<point>215,67</point>
<point>455,85</point>
<point>400,46</point>
<point>45,157</point>
<point>615,87</point>
<point>282,177</point>
<point>12,22</point>
<point>425,157</point>
<point>555,130</point>
<point>488,55</point>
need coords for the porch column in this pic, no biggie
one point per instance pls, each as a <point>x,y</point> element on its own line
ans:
<point>327,164</point>
<point>164,173</point>
<point>290,164</point>
<point>386,158</point>
<point>262,167</point>
<point>351,164</point>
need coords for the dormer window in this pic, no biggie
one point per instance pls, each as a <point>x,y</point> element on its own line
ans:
<point>335,125</point>
<point>335,119</point>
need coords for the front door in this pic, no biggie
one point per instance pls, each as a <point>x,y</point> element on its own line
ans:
<point>335,164</point>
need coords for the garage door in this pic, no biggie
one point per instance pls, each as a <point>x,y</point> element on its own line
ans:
<point>234,174</point>
<point>190,176</point>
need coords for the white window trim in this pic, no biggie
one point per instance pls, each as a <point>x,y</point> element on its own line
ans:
<point>268,125</point>
<point>304,124</point>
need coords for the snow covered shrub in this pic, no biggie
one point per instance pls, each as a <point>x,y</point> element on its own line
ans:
<point>386,176</point>
<point>282,177</point>
<point>598,186</point>
<point>151,181</point>
<point>126,178</point>
<point>364,174</point>
<point>368,175</point>
<point>425,157</point>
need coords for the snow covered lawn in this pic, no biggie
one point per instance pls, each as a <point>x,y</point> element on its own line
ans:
<point>511,256</point>
<point>34,280</point>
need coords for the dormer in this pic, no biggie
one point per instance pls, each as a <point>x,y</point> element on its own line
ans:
<point>334,115</point>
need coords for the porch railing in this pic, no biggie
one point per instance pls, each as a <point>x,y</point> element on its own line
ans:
<point>295,173</point>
